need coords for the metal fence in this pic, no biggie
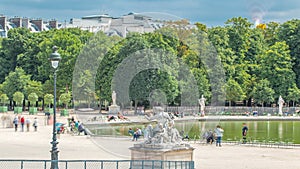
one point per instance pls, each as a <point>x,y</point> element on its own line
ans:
<point>96,164</point>
<point>223,110</point>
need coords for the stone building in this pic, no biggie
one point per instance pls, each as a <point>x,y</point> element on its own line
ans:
<point>120,26</point>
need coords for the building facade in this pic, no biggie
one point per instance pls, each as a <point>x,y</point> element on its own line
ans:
<point>120,26</point>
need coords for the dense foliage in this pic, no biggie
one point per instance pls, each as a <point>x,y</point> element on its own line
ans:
<point>258,64</point>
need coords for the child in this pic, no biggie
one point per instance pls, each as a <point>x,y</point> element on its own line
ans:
<point>219,134</point>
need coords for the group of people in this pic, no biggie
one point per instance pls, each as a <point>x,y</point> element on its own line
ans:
<point>77,126</point>
<point>135,134</point>
<point>22,121</point>
<point>217,135</point>
<point>119,116</point>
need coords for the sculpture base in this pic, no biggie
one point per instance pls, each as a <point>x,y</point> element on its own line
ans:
<point>113,109</point>
<point>164,152</point>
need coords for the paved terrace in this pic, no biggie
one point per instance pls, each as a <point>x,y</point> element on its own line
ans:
<point>36,145</point>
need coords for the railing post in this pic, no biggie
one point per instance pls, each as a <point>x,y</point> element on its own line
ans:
<point>22,164</point>
<point>101,164</point>
<point>84,164</point>
<point>45,164</point>
<point>66,164</point>
<point>117,165</point>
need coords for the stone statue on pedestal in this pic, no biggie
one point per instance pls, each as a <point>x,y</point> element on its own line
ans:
<point>114,97</point>
<point>162,142</point>
<point>280,104</point>
<point>202,105</point>
<point>114,108</point>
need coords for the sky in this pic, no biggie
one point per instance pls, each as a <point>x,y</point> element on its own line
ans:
<point>209,12</point>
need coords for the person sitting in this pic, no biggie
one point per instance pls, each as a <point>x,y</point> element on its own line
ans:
<point>121,117</point>
<point>81,129</point>
<point>130,132</point>
<point>176,114</point>
<point>184,137</point>
<point>111,118</point>
<point>210,137</point>
<point>137,134</point>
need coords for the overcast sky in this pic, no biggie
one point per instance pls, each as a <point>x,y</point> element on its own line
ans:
<point>209,12</point>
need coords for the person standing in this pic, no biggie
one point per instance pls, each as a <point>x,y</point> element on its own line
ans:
<point>244,133</point>
<point>35,124</point>
<point>219,134</point>
<point>22,120</point>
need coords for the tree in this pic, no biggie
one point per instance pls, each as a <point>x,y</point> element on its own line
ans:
<point>234,92</point>
<point>15,81</point>
<point>33,87</point>
<point>65,98</point>
<point>84,86</point>
<point>18,97</point>
<point>276,66</point>
<point>271,33</point>
<point>293,94</point>
<point>152,51</point>
<point>33,98</point>
<point>48,99</point>
<point>3,98</point>
<point>239,32</point>
<point>262,92</point>
<point>289,32</point>
<point>15,44</point>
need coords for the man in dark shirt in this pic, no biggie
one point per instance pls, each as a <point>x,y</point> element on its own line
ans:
<point>244,133</point>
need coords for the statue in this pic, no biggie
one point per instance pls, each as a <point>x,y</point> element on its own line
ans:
<point>114,108</point>
<point>114,97</point>
<point>202,105</point>
<point>164,131</point>
<point>280,104</point>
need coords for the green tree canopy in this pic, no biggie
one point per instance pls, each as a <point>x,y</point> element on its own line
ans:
<point>65,98</point>
<point>33,98</point>
<point>15,81</point>
<point>262,92</point>
<point>18,97</point>
<point>3,99</point>
<point>48,99</point>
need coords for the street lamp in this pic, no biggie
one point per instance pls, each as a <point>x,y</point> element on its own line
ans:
<point>54,58</point>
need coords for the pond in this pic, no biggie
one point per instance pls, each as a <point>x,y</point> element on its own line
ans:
<point>277,131</point>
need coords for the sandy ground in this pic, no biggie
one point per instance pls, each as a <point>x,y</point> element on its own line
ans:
<point>36,145</point>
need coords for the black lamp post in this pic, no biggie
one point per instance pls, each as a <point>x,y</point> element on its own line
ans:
<point>54,58</point>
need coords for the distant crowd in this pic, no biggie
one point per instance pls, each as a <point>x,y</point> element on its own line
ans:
<point>20,120</point>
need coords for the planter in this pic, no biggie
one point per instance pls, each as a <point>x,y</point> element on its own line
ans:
<point>48,110</point>
<point>32,110</point>
<point>3,109</point>
<point>18,110</point>
<point>64,112</point>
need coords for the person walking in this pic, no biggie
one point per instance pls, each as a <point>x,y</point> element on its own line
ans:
<point>219,134</point>
<point>27,122</point>
<point>35,124</point>
<point>16,122</point>
<point>22,120</point>
<point>244,133</point>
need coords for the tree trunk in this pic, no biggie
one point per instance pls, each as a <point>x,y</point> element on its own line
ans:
<point>100,105</point>
<point>135,106</point>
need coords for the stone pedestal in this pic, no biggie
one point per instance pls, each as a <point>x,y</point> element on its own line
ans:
<point>113,109</point>
<point>164,152</point>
